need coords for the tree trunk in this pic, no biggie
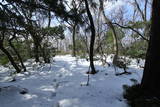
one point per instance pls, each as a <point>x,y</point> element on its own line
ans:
<point>73,39</point>
<point>151,75</point>
<point>18,55</point>
<point>93,71</point>
<point>49,17</point>
<point>36,40</point>
<point>36,52</point>
<point>45,54</point>
<point>115,40</point>
<point>36,49</point>
<point>10,59</point>
<point>28,44</point>
<point>44,48</point>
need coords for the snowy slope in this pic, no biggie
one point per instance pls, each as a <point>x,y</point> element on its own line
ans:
<point>63,84</point>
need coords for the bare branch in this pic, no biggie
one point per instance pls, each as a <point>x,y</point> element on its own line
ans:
<point>128,27</point>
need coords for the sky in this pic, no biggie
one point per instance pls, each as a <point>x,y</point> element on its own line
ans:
<point>110,8</point>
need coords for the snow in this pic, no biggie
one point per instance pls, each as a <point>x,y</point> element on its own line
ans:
<point>63,84</point>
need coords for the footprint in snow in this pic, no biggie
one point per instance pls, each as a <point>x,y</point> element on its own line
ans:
<point>53,94</point>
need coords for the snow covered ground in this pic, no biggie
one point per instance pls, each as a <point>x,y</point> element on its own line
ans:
<point>63,84</point>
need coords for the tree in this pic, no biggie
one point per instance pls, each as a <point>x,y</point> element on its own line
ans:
<point>93,33</point>
<point>6,21</point>
<point>114,34</point>
<point>56,32</point>
<point>17,16</point>
<point>151,75</point>
<point>15,50</point>
<point>77,10</point>
<point>141,19</point>
<point>2,48</point>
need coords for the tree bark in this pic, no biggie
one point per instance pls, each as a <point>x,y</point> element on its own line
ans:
<point>73,40</point>
<point>93,71</point>
<point>16,52</point>
<point>36,48</point>
<point>44,47</point>
<point>10,58</point>
<point>151,75</point>
<point>115,40</point>
<point>36,52</point>
<point>49,17</point>
<point>45,53</point>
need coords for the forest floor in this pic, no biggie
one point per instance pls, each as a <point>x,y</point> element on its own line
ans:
<point>63,84</point>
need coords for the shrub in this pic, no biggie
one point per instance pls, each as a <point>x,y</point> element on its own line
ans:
<point>4,60</point>
<point>137,97</point>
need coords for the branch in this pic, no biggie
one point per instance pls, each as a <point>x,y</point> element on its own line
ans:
<point>128,27</point>
<point>145,8</point>
<point>139,9</point>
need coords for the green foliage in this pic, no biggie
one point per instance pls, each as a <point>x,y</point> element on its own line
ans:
<point>138,24</point>
<point>56,32</point>
<point>137,49</point>
<point>80,47</point>
<point>57,6</point>
<point>3,60</point>
<point>62,52</point>
<point>83,57</point>
<point>109,42</point>
<point>109,37</point>
<point>70,47</point>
